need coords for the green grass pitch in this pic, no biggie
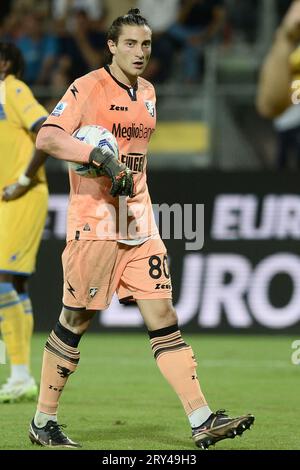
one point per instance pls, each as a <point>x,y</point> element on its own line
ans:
<point>118,399</point>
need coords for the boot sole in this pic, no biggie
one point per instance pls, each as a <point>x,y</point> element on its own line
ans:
<point>235,428</point>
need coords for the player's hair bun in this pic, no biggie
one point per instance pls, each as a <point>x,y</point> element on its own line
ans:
<point>134,11</point>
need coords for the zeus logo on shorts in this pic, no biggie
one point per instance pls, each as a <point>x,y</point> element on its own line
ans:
<point>93,291</point>
<point>163,286</point>
<point>59,109</point>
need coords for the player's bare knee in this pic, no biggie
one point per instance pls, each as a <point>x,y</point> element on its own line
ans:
<point>76,321</point>
<point>166,314</point>
<point>171,315</point>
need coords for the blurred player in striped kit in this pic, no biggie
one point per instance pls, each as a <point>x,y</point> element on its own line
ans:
<point>23,208</point>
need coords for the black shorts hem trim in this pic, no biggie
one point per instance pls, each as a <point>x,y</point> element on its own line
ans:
<point>127,300</point>
<point>73,308</point>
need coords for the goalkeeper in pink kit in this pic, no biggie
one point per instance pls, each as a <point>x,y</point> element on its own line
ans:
<point>127,258</point>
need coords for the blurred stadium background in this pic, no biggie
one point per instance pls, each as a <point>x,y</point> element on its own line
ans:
<point>212,148</point>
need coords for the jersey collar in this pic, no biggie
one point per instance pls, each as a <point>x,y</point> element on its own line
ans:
<point>130,90</point>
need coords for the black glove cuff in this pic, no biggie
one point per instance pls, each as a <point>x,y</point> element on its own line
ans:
<point>97,158</point>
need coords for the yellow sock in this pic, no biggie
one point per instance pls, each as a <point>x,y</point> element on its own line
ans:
<point>12,324</point>
<point>28,318</point>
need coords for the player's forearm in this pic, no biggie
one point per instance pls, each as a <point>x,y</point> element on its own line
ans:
<point>61,145</point>
<point>38,159</point>
<point>274,86</point>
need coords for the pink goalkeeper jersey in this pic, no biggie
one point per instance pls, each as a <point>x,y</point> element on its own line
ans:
<point>129,113</point>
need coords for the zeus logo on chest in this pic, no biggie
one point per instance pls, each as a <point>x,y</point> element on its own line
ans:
<point>113,107</point>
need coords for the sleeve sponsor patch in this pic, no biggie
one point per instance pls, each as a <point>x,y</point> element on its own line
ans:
<point>150,107</point>
<point>59,109</point>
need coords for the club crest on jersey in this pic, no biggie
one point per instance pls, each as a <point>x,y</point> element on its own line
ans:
<point>150,106</point>
<point>93,291</point>
<point>59,109</point>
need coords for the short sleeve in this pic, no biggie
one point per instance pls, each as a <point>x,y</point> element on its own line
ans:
<point>28,109</point>
<point>67,114</point>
